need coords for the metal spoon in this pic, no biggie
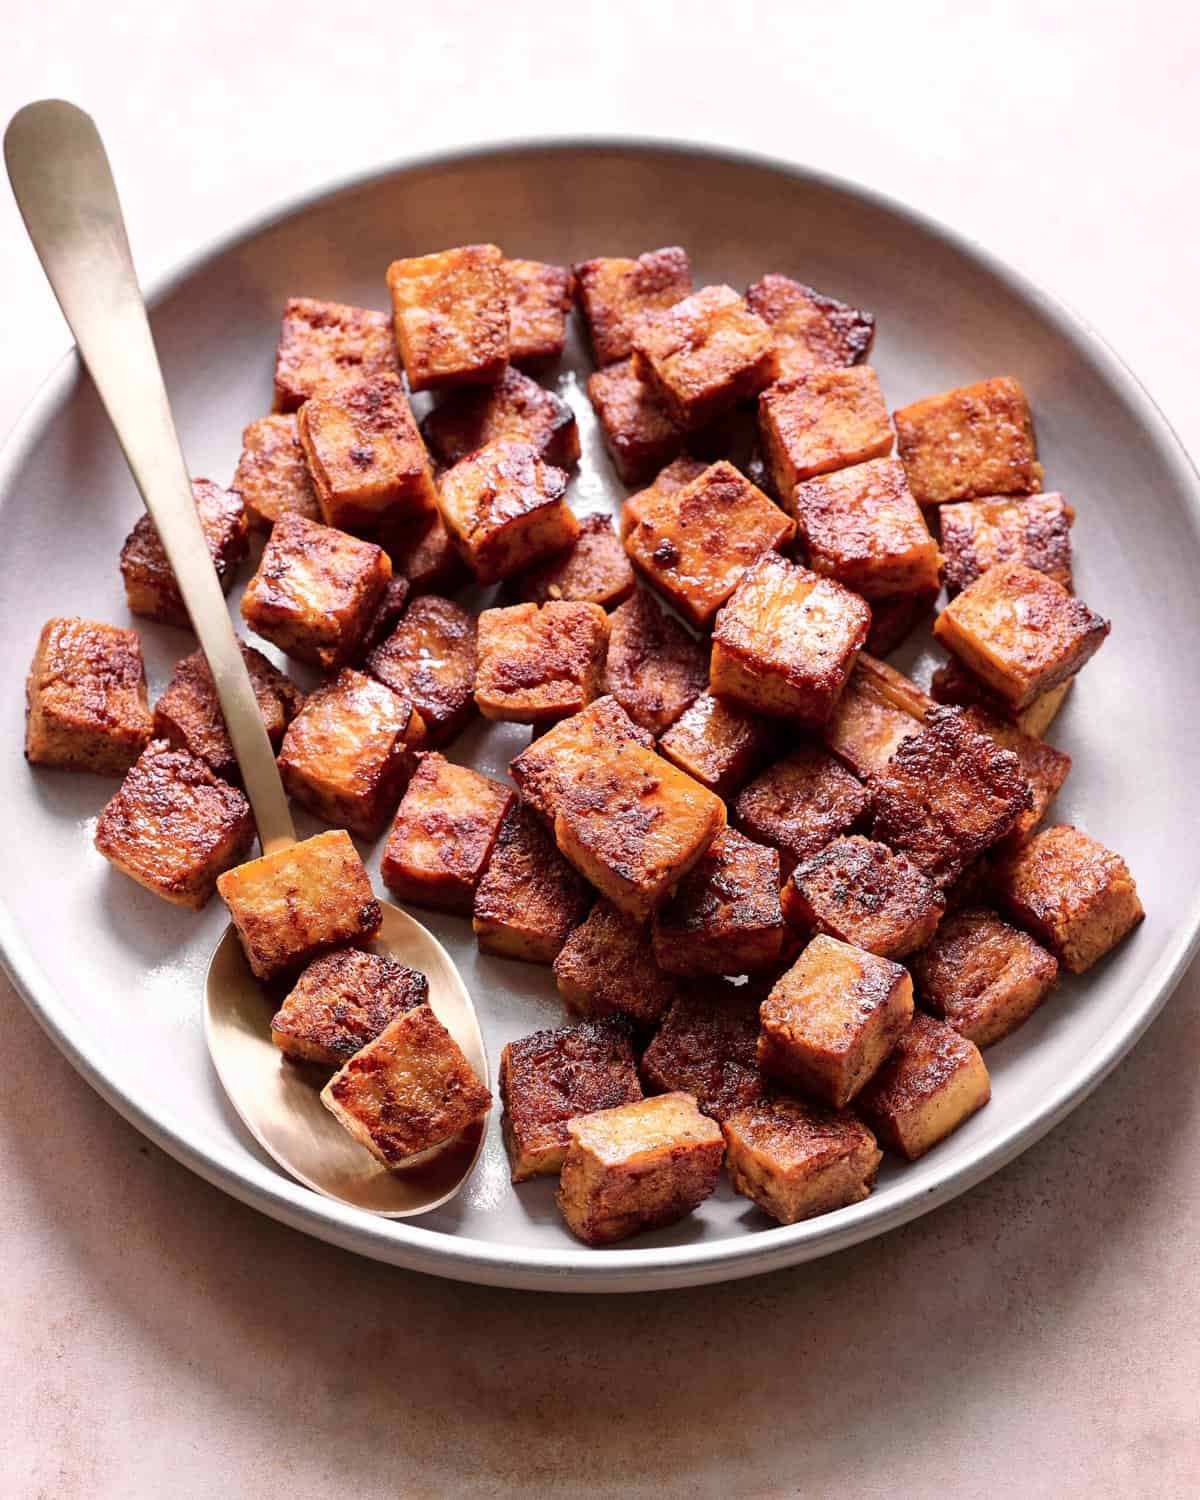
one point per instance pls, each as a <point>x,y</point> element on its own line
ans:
<point>64,187</point>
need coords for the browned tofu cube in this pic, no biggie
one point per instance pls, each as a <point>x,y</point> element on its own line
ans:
<point>504,509</point>
<point>1034,530</point>
<point>430,659</point>
<point>655,669</point>
<point>800,804</point>
<point>983,976</point>
<point>724,917</point>
<point>894,619</point>
<point>365,454</point>
<point>832,1018</point>
<point>424,556</point>
<point>862,527</point>
<point>638,1167</point>
<point>594,571</point>
<point>864,893</point>
<point>188,713</point>
<point>450,313</point>
<point>515,408</point>
<point>546,770</point>
<point>787,641</point>
<point>606,968</point>
<point>932,1083</point>
<point>539,299</point>
<point>704,355</point>
<point>529,898</point>
<point>272,474</point>
<point>443,836</point>
<point>706,1047</point>
<point>718,743</point>
<point>553,1077</point>
<point>85,698</point>
<point>968,443</point>
<point>151,589</point>
<point>811,331</point>
<point>322,344</point>
<point>174,827</point>
<point>639,432</point>
<point>342,1001</point>
<point>819,422</point>
<point>1044,768</point>
<point>298,902</point>
<point>951,683</point>
<point>316,591</point>
<point>409,1090</point>
<point>696,543</point>
<point>796,1160</point>
<point>879,709</point>
<point>537,665</point>
<point>614,293</point>
<point>1071,892</point>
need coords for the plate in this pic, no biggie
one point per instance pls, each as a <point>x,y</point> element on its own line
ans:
<point>115,975</point>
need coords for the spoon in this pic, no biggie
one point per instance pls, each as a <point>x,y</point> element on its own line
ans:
<point>64,188</point>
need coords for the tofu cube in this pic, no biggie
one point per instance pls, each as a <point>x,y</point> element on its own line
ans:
<point>951,683</point>
<point>879,709</point>
<point>1044,768</point>
<point>982,976</point>
<point>539,299</point>
<point>430,659</point>
<point>639,433</point>
<point>298,902</point>
<point>424,556</point>
<point>969,443</point>
<point>1034,530</point>
<point>724,917</point>
<point>614,293</point>
<point>451,318</point>
<point>894,619</point>
<point>594,571</point>
<point>342,1001</point>
<point>555,1076</point>
<point>638,1167</point>
<point>932,1083</point>
<point>812,331</point>
<point>409,1090</point>
<point>537,665</point>
<point>606,968</point>
<point>504,509</point>
<point>316,591</point>
<point>443,835</point>
<point>800,804</point>
<point>796,1160</point>
<point>1071,892</point>
<point>820,422</point>
<point>547,769</point>
<point>704,355</point>
<point>864,893</point>
<point>174,827</point>
<point>787,641</point>
<point>655,669</point>
<point>529,898</point>
<point>719,744</point>
<point>151,589</point>
<point>85,698</point>
<point>515,408</point>
<point>707,1047</point>
<point>322,344</point>
<point>272,474</point>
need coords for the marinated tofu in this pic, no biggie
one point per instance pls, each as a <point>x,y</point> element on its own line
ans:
<point>812,331</point>
<point>430,659</point>
<point>706,1047</point>
<point>951,683</point>
<point>932,1083</point>
<point>719,744</point>
<point>85,698</point>
<point>539,299</point>
<point>450,312</point>
<point>188,712</point>
<point>546,770</point>
<point>529,898</point>
<point>595,570</point>
<point>879,709</point>
<point>724,917</point>
<point>516,408</point>
<point>1034,530</point>
<point>272,474</point>
<point>151,589</point>
<point>504,508</point>
<point>894,619</point>
<point>323,344</point>
<point>342,1001</point>
<point>424,556</point>
<point>639,431</point>
<point>864,893</point>
<point>614,292</point>
<point>606,967</point>
<point>969,443</point>
<point>824,420</point>
<point>800,804</point>
<point>1044,768</point>
<point>982,976</point>
<point>538,665</point>
<point>655,669</point>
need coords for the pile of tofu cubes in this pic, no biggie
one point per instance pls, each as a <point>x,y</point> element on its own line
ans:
<point>788,894</point>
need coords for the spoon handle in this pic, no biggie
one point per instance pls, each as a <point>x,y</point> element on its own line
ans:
<point>64,188</point>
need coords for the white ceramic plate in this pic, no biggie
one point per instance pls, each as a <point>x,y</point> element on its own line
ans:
<point>115,975</point>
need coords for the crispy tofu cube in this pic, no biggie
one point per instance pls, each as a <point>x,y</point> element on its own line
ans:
<point>696,543</point>
<point>316,591</point>
<point>639,432</point>
<point>594,571</point>
<point>982,976</point>
<point>151,589</point>
<point>606,967</point>
<point>1044,768</point>
<point>787,641</point>
<point>424,556</point>
<point>546,770</point>
<point>820,422</point>
<point>800,804</point>
<point>864,893</point>
<point>539,299</point>
<point>704,355</point>
<point>443,835</point>
<point>796,1160</point>
<point>811,331</point>
<point>1034,530</point>
<point>862,527</point>
<point>504,509</point>
<point>174,827</point>
<point>1071,892</point>
<point>932,1083</point>
<point>614,293</point>
<point>342,1001</point>
<point>1020,632</point>
<point>537,665</point>
<point>85,698</point>
<point>347,755</point>
<point>365,454</point>
<point>638,1167</point>
<point>832,1018</point>
<point>322,344</point>
<point>430,659</point>
<point>718,743</point>
<point>968,443</point>
<point>706,1047</point>
<point>188,713</point>
<point>894,619</point>
<point>655,669</point>
<point>879,709</point>
<point>409,1090</point>
<point>515,408</point>
<point>451,316</point>
<point>724,917</point>
<point>272,474</point>
<point>529,898</point>
<point>555,1076</point>
<point>298,902</point>
<point>951,683</point>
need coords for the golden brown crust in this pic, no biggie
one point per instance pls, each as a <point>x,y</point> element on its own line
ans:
<point>430,659</point>
<point>707,1047</point>
<point>529,898</point>
<point>811,330</point>
<point>547,768</point>
<point>150,586</point>
<point>1044,768</point>
<point>821,421</point>
<point>800,804</point>
<point>85,698</point>
<point>951,683</point>
<point>539,299</point>
<point>654,669</point>
<point>724,916</point>
<point>537,665</point>
<point>967,443</point>
<point>321,344</point>
<point>864,893</point>
<point>272,475</point>
<point>342,1001</point>
<point>450,315</point>
<point>934,1080</point>
<point>1030,529</point>
<point>606,967</point>
<point>594,571</point>
<point>515,408</point>
<point>879,709</point>
<point>504,508</point>
<point>424,556</point>
<point>614,292</point>
<point>639,432</point>
<point>188,712</point>
<point>718,743</point>
<point>982,976</point>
